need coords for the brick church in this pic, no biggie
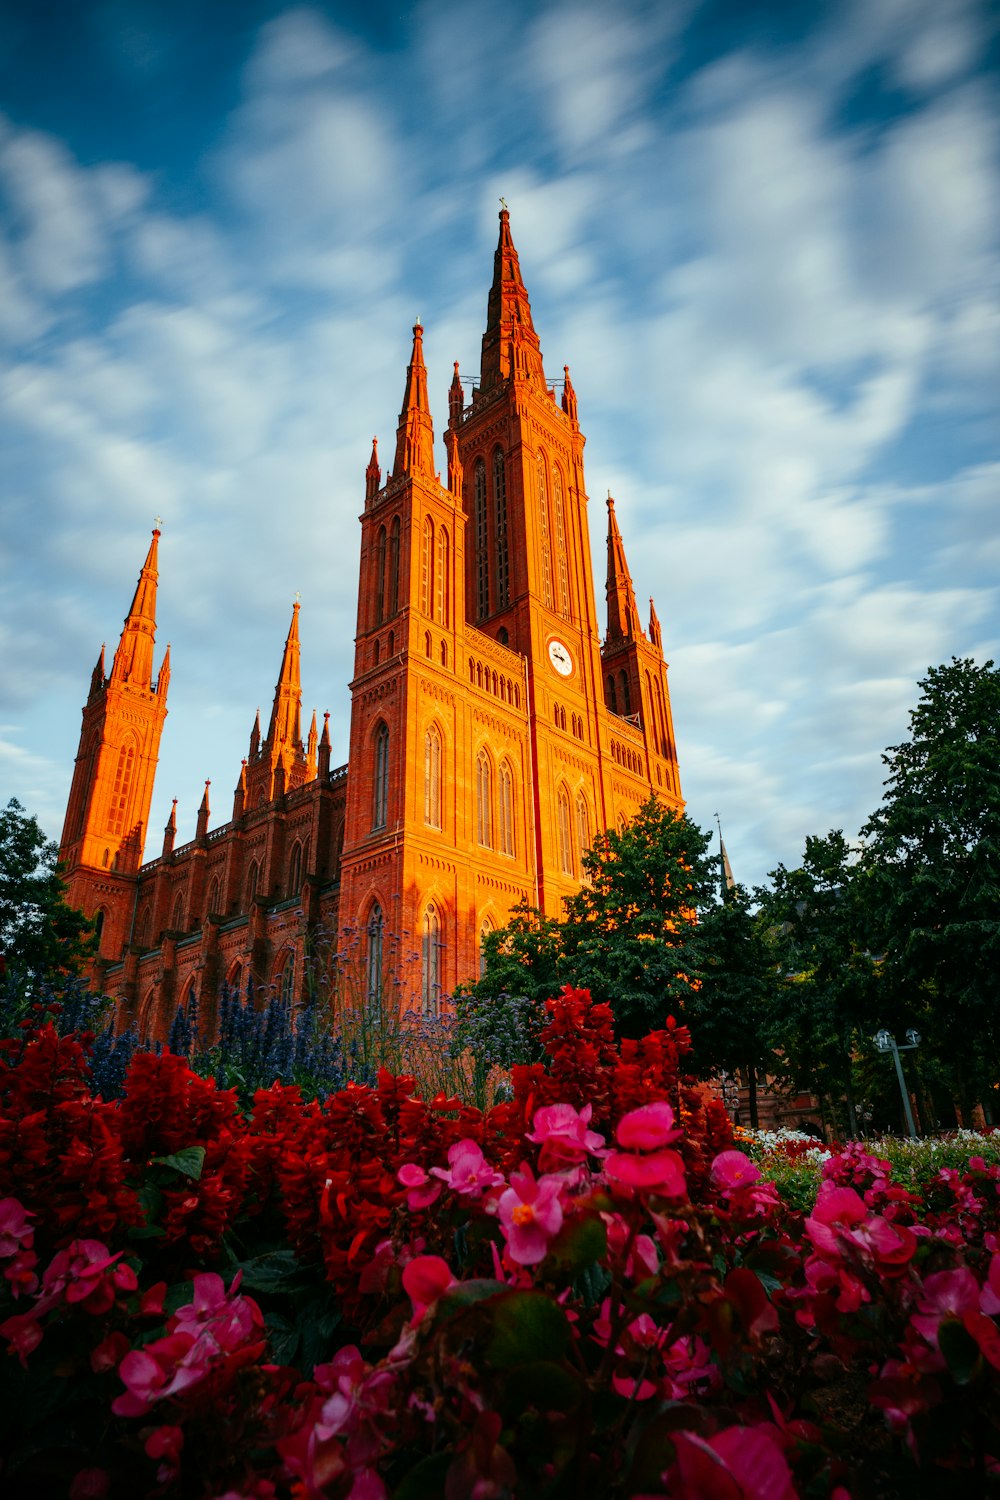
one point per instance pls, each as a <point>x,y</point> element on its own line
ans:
<point>492,730</point>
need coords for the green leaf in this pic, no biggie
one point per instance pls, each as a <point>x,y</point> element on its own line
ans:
<point>465,1295</point>
<point>426,1480</point>
<point>275,1271</point>
<point>187,1162</point>
<point>527,1327</point>
<point>960,1350</point>
<point>547,1386</point>
<point>581,1242</point>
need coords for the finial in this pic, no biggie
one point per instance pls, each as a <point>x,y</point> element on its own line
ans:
<point>298,598</point>
<point>157,522</point>
<point>503,204</point>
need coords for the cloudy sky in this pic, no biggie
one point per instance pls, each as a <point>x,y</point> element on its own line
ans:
<point>763,236</point>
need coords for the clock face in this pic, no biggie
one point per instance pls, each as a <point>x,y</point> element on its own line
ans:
<point>560,658</point>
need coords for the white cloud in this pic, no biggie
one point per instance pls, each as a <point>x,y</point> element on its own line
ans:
<point>60,240</point>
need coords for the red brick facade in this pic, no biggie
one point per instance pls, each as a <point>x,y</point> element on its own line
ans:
<point>491,731</point>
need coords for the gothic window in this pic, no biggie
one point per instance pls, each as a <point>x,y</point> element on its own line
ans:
<point>443,581</point>
<point>295,870</point>
<point>286,981</point>
<point>626,696</point>
<point>432,777</point>
<point>561,559</point>
<point>253,880</point>
<point>502,636</point>
<point>612,696</point>
<point>582,824</point>
<point>661,716</point>
<point>378,652</point>
<point>484,800</point>
<point>427,643</point>
<point>380,805</point>
<point>543,521</point>
<point>99,924</point>
<point>234,979</point>
<point>121,789</point>
<point>484,932</point>
<point>214,889</point>
<point>431,962</point>
<point>142,928</point>
<point>380,576</point>
<point>394,566</point>
<point>107,858</point>
<point>375,934</point>
<point>177,919</point>
<point>565,833</point>
<point>500,519</point>
<point>391,647</point>
<point>481,520</point>
<point>427,567</point>
<point>506,829</point>
<point>444,653</point>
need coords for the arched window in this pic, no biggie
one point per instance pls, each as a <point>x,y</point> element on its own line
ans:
<point>214,891</point>
<point>430,989</point>
<point>543,526</point>
<point>375,934</point>
<point>562,563</point>
<point>427,643</point>
<point>500,520</point>
<point>380,576</point>
<point>380,806</point>
<point>442,590</point>
<point>661,716</point>
<point>253,880</point>
<point>177,916</point>
<point>107,858</point>
<point>626,697</point>
<point>286,981</point>
<point>582,824</point>
<point>565,833</point>
<point>502,636</point>
<point>481,522</point>
<point>121,789</point>
<point>432,777</point>
<point>295,869</point>
<point>506,809</point>
<point>99,924</point>
<point>142,927</point>
<point>484,799</point>
<point>484,932</point>
<point>444,653</point>
<point>378,652</point>
<point>391,645</point>
<point>234,979</point>
<point>394,566</point>
<point>612,696</point>
<point>427,567</point>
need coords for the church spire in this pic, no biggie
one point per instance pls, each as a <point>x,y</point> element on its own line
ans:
<point>311,749</point>
<point>170,831</point>
<point>373,474</point>
<point>655,633</point>
<point>510,343</point>
<point>622,614</point>
<point>285,728</point>
<point>204,813</point>
<point>415,433</point>
<point>133,661</point>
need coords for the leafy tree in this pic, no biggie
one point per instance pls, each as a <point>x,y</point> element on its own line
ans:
<point>732,1009</point>
<point>41,936</point>
<point>932,858</point>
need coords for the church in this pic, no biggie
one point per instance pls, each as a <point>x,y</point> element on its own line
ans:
<point>492,730</point>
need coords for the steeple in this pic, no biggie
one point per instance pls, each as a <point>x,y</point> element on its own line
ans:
<point>622,614</point>
<point>311,750</point>
<point>240,794</point>
<point>569,397</point>
<point>456,399</point>
<point>97,676</point>
<point>163,680</point>
<point>655,633</point>
<point>415,433</point>
<point>323,757</point>
<point>170,831</point>
<point>373,474</point>
<point>285,727</point>
<point>204,812</point>
<point>133,661</point>
<point>278,763</point>
<point>255,736</point>
<point>510,343</point>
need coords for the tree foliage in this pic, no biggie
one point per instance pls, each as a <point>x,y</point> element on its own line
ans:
<point>41,936</point>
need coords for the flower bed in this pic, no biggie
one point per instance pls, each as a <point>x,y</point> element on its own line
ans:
<point>588,1290</point>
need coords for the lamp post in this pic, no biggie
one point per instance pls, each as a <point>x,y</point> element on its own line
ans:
<point>886,1042</point>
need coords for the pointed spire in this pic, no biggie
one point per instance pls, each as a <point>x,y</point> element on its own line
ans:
<point>510,343</point>
<point>163,679</point>
<point>655,633</point>
<point>255,736</point>
<point>285,728</point>
<point>622,614</point>
<point>311,750</point>
<point>373,474</point>
<point>170,831</point>
<point>203,814</point>
<point>323,758</point>
<point>97,676</point>
<point>133,661</point>
<point>569,397</point>
<point>415,433</point>
<point>456,399</point>
<point>240,794</point>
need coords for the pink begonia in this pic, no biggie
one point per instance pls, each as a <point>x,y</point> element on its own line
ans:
<point>739,1463</point>
<point>842,1224</point>
<point>80,1274</point>
<point>425,1279</point>
<point>468,1172</point>
<point>421,1192</point>
<point>647,1128</point>
<point>945,1294</point>
<point>562,1133</point>
<point>530,1215</point>
<point>989,1301</point>
<point>21,1274</point>
<point>23,1333</point>
<point>15,1231</point>
<point>731,1170</point>
<point>660,1172</point>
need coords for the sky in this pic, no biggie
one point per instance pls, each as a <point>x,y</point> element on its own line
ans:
<point>764,237</point>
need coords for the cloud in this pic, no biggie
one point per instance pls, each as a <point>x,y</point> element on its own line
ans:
<point>58,234</point>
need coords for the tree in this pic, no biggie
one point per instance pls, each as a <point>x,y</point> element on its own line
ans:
<point>41,936</point>
<point>933,860</point>
<point>731,1011</point>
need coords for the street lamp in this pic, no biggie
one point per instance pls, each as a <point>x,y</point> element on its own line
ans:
<point>886,1042</point>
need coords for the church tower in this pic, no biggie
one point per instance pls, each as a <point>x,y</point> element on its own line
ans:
<point>108,809</point>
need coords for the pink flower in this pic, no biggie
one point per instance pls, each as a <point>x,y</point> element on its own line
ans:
<point>989,1300</point>
<point>421,1192</point>
<point>731,1170</point>
<point>647,1128</point>
<point>530,1214</point>
<point>21,1273</point>
<point>945,1294</point>
<point>562,1133</point>
<point>89,1484</point>
<point>660,1172</point>
<point>15,1231</point>
<point>468,1171</point>
<point>425,1279</point>
<point>740,1463</point>
<point>78,1273</point>
<point>23,1333</point>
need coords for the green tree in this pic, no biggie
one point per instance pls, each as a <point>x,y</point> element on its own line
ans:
<point>41,936</point>
<point>932,856</point>
<point>732,1010</point>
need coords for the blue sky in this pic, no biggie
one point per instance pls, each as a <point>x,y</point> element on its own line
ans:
<point>764,237</point>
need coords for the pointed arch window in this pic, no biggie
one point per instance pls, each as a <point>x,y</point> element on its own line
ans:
<point>432,777</point>
<point>484,800</point>
<point>442,602</point>
<point>214,890</point>
<point>582,824</point>
<point>430,988</point>
<point>506,810</point>
<point>380,553</point>
<point>427,566</point>
<point>562,562</point>
<point>626,696</point>
<point>295,869</point>
<point>565,833</point>
<point>375,935</point>
<point>253,880</point>
<point>500,521</point>
<point>380,804</point>
<point>543,526</point>
<point>177,918</point>
<point>612,695</point>
<point>481,524</point>
<point>394,566</point>
<point>484,933</point>
<point>121,789</point>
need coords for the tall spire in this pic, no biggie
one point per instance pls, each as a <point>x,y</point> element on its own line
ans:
<point>622,614</point>
<point>415,433</point>
<point>285,728</point>
<point>373,474</point>
<point>204,812</point>
<point>97,676</point>
<point>655,633</point>
<point>311,749</point>
<point>510,343</point>
<point>170,831</point>
<point>133,661</point>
